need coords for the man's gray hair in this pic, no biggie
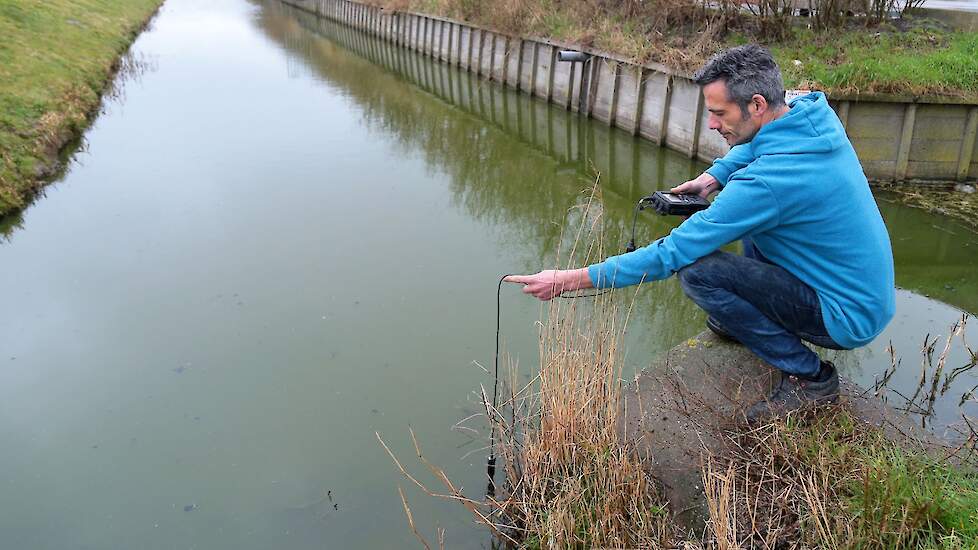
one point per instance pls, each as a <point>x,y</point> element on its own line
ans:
<point>747,70</point>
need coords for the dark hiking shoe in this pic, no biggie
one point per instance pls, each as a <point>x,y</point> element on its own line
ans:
<point>794,392</point>
<point>715,327</point>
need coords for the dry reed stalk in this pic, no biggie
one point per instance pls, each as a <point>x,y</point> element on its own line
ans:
<point>935,378</point>
<point>816,488</point>
<point>410,518</point>
<point>719,489</point>
<point>570,480</point>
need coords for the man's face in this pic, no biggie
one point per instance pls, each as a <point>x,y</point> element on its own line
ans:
<point>726,116</point>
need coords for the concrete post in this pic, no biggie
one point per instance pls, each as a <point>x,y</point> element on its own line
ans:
<point>492,56</point>
<point>482,44</point>
<point>417,32</point>
<point>400,36</point>
<point>968,144</point>
<point>903,153</point>
<point>458,46</point>
<point>585,85</point>
<point>442,53</point>
<point>664,116</point>
<point>451,35</point>
<point>594,76</point>
<point>506,50</point>
<point>550,76</point>
<point>613,105</point>
<point>533,69</point>
<point>694,144</point>
<point>411,31</point>
<point>468,56</point>
<point>570,87</point>
<point>519,65</point>
<point>640,74</point>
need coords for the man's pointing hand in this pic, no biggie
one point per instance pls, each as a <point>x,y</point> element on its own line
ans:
<point>552,282</point>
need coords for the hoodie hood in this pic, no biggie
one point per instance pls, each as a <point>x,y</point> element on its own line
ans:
<point>810,126</point>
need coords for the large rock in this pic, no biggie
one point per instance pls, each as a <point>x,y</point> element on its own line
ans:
<point>677,408</point>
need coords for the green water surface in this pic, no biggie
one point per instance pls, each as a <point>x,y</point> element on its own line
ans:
<point>285,236</point>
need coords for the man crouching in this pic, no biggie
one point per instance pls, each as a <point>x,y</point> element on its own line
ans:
<point>817,264</point>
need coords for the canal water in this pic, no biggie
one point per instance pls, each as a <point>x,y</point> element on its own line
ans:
<point>281,237</point>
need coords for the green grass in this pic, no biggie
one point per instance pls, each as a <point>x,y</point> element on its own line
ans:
<point>912,501</point>
<point>920,60</point>
<point>916,57</point>
<point>870,491</point>
<point>55,59</point>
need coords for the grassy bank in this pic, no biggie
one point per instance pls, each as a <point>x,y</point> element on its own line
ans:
<point>56,58</point>
<point>827,481</point>
<point>905,57</point>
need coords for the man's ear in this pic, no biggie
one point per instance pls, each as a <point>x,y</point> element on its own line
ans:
<point>759,103</point>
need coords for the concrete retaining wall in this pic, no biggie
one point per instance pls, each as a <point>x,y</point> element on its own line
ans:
<point>628,166</point>
<point>902,139</point>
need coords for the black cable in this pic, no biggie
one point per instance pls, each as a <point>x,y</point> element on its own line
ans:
<point>491,465</point>
<point>639,206</point>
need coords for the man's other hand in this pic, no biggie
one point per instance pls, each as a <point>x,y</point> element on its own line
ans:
<point>703,185</point>
<point>552,282</point>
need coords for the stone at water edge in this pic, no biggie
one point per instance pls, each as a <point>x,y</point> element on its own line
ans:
<point>678,406</point>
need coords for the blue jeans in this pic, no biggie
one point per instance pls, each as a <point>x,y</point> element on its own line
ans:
<point>762,305</point>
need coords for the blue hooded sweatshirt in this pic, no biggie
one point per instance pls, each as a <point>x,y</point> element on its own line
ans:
<point>798,191</point>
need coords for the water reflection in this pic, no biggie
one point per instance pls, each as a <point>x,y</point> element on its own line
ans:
<point>513,161</point>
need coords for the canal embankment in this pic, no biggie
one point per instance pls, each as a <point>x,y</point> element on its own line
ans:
<point>56,61</point>
<point>900,137</point>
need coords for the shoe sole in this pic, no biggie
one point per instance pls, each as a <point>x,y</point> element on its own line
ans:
<point>716,329</point>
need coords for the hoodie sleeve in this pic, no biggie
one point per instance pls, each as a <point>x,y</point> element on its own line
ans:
<point>736,158</point>
<point>746,206</point>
